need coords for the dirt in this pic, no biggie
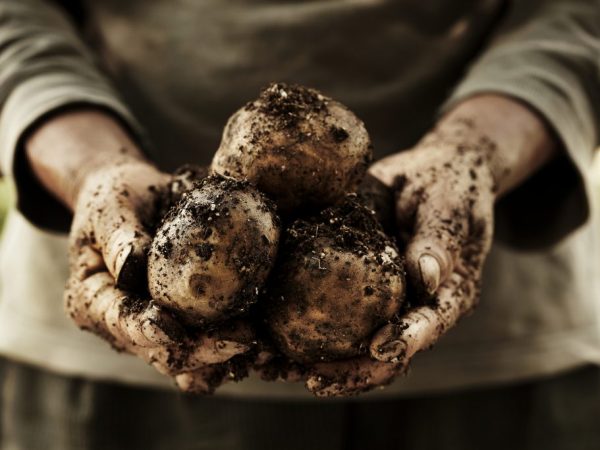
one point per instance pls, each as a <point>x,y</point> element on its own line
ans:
<point>289,103</point>
<point>211,213</point>
<point>291,144</point>
<point>132,305</point>
<point>377,197</point>
<point>319,309</point>
<point>338,133</point>
<point>350,225</point>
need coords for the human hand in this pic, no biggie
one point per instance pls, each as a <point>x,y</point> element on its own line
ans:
<point>445,189</point>
<point>444,197</point>
<point>115,209</point>
<point>88,161</point>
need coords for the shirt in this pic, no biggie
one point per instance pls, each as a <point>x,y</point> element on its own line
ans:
<point>173,71</point>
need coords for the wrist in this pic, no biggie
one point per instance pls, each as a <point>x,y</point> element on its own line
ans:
<point>459,150</point>
<point>68,148</point>
<point>128,169</point>
<point>509,137</point>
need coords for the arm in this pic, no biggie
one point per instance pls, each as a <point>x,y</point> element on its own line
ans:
<point>72,146</point>
<point>530,100</point>
<point>72,150</point>
<point>446,187</point>
<point>45,69</point>
<point>479,151</point>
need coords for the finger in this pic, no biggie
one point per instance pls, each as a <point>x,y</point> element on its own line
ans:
<point>270,365</point>
<point>123,240</point>
<point>212,350</point>
<point>276,368</point>
<point>351,377</point>
<point>161,329</point>
<point>385,170</point>
<point>203,380</point>
<point>230,339</point>
<point>86,262</point>
<point>96,304</point>
<point>421,327</point>
<point>180,358</point>
<point>142,328</point>
<point>440,231</point>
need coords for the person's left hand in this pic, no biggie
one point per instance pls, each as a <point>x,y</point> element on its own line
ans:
<point>444,193</point>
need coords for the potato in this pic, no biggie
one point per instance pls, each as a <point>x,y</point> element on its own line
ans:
<point>213,251</point>
<point>301,148</point>
<point>337,280</point>
<point>379,198</point>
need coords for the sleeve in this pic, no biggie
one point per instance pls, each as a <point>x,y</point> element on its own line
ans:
<point>44,67</point>
<point>551,62</point>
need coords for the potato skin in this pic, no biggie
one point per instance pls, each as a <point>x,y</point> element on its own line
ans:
<point>213,251</point>
<point>334,285</point>
<point>301,148</point>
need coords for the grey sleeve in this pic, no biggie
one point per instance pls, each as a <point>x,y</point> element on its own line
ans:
<point>44,67</point>
<point>551,62</point>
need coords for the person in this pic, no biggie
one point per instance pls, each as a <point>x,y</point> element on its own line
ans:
<point>498,104</point>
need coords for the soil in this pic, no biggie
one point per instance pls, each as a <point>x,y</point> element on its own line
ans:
<point>377,197</point>
<point>213,215</point>
<point>289,103</point>
<point>350,225</point>
<point>308,263</point>
<point>292,144</point>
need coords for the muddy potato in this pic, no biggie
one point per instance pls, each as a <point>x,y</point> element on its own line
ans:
<point>379,198</point>
<point>213,250</point>
<point>184,179</point>
<point>337,280</point>
<point>296,145</point>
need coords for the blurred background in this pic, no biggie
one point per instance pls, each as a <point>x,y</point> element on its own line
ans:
<point>6,199</point>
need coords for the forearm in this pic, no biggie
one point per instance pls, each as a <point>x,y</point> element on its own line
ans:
<point>511,137</point>
<point>67,147</point>
<point>46,69</point>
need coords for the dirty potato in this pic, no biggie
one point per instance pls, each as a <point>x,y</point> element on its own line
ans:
<point>301,148</point>
<point>338,279</point>
<point>213,250</point>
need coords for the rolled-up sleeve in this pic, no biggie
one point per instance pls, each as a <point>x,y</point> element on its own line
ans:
<point>44,67</point>
<point>551,62</point>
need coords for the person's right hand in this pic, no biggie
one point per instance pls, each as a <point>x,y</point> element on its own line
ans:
<point>107,294</point>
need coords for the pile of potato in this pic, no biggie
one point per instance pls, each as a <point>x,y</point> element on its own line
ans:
<point>275,232</point>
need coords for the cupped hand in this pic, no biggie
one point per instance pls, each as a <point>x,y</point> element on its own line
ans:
<point>444,197</point>
<point>106,292</point>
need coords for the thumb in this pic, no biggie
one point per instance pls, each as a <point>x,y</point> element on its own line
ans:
<point>432,252</point>
<point>120,233</point>
<point>115,205</point>
<point>125,254</point>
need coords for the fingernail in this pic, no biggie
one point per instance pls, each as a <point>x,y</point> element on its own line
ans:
<point>153,334</point>
<point>430,273</point>
<point>121,258</point>
<point>391,351</point>
<point>231,347</point>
